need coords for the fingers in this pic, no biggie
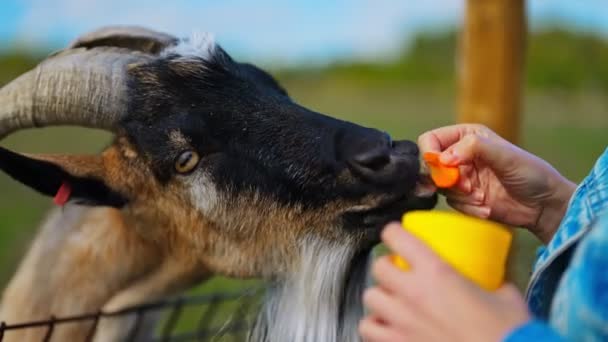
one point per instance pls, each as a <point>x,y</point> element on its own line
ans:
<point>372,329</point>
<point>464,184</point>
<point>467,180</point>
<point>390,277</point>
<point>476,196</point>
<point>465,150</point>
<point>440,139</point>
<point>480,211</point>
<point>461,144</point>
<point>474,147</point>
<point>381,304</point>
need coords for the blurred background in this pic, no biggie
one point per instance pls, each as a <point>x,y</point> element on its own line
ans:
<point>386,64</point>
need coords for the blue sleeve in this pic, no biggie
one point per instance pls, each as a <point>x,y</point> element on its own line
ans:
<point>580,305</point>
<point>534,330</point>
<point>579,309</point>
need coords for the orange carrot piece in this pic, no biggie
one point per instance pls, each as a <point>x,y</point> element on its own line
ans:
<point>431,157</point>
<point>444,176</point>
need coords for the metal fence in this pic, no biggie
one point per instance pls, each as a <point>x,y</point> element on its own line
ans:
<point>205,329</point>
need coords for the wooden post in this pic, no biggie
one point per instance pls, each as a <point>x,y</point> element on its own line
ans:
<point>491,65</point>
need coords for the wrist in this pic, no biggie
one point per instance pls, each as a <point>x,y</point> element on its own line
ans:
<point>553,209</point>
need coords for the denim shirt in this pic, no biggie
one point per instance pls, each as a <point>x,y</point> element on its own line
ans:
<point>568,291</point>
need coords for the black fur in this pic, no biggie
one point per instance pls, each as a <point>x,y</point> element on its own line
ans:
<point>250,135</point>
<point>46,178</point>
<point>248,130</point>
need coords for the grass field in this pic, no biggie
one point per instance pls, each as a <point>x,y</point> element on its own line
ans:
<point>569,130</point>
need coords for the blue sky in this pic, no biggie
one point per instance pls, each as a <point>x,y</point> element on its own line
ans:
<point>273,30</point>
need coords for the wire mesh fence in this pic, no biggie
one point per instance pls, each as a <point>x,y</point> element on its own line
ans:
<point>206,327</point>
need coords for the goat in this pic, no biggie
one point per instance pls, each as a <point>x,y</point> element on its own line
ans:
<point>214,170</point>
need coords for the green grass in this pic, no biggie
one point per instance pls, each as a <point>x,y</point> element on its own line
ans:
<point>567,129</point>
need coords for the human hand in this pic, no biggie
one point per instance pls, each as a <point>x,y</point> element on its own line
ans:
<point>432,302</point>
<point>499,180</point>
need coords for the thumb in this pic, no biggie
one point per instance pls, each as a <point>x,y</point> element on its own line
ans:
<point>475,147</point>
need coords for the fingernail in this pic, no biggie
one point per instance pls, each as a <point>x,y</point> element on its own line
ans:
<point>479,196</point>
<point>484,212</point>
<point>448,157</point>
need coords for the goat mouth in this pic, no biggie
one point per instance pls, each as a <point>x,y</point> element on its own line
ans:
<point>371,221</point>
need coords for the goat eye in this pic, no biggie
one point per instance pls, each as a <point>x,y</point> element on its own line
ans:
<point>186,162</point>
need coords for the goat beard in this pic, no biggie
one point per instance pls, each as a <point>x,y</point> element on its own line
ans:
<point>321,302</point>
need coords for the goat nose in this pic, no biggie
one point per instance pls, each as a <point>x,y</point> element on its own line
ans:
<point>386,163</point>
<point>372,160</point>
<point>406,148</point>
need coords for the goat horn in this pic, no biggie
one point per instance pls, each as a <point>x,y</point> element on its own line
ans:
<point>130,37</point>
<point>83,87</point>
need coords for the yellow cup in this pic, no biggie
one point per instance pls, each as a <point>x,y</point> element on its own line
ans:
<point>477,248</point>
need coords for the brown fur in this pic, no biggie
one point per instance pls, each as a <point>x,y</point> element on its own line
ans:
<point>159,244</point>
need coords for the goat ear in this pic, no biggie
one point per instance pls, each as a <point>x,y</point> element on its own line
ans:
<point>84,176</point>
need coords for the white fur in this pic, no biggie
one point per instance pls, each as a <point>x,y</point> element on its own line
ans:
<point>305,307</point>
<point>203,193</point>
<point>198,45</point>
